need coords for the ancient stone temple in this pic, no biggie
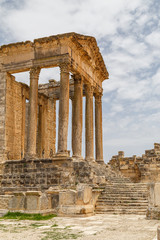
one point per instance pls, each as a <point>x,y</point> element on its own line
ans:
<point>37,178</point>
<point>33,175</point>
<point>82,71</point>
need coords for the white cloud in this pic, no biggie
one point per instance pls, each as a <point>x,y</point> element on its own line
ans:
<point>153,39</point>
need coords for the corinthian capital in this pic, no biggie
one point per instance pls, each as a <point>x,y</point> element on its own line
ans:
<point>64,67</point>
<point>34,72</point>
<point>89,89</point>
<point>98,97</point>
<point>77,78</point>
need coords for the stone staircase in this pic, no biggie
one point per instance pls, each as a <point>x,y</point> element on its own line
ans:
<point>121,196</point>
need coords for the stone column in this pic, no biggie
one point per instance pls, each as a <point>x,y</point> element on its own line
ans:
<point>23,123</point>
<point>63,110</point>
<point>33,110</point>
<point>89,123</point>
<point>98,128</point>
<point>77,117</point>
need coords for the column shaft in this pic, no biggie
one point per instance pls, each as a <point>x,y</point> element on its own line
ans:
<point>23,124</point>
<point>89,123</point>
<point>77,117</point>
<point>63,109</point>
<point>33,110</point>
<point>98,128</point>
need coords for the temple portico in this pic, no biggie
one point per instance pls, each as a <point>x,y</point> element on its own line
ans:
<point>82,71</point>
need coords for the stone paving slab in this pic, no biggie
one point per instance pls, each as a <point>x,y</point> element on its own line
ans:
<point>98,227</point>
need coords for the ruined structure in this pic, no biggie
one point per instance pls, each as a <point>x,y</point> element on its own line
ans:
<point>139,169</point>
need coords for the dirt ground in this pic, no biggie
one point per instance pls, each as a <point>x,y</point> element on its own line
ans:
<point>98,227</point>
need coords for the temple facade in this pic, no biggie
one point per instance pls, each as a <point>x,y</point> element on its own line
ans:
<point>28,113</point>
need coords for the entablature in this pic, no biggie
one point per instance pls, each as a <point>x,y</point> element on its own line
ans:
<point>79,51</point>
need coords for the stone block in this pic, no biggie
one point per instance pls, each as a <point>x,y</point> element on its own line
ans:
<point>82,210</point>
<point>33,200</point>
<point>84,194</point>
<point>18,201</point>
<point>99,180</point>
<point>157,194</point>
<point>54,200</point>
<point>44,202</point>
<point>6,201</point>
<point>153,213</point>
<point>158,233</point>
<point>124,167</point>
<point>67,197</point>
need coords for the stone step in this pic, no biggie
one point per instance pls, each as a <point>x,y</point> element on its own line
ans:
<point>123,191</point>
<point>131,194</point>
<point>121,201</point>
<point>125,186</point>
<point>101,198</point>
<point>121,211</point>
<point>123,197</point>
<point>115,202</point>
<point>108,207</point>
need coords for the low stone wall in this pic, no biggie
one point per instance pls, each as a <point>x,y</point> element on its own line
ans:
<point>64,202</point>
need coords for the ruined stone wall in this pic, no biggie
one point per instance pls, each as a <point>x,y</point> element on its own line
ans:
<point>139,169</point>
<point>14,116</point>
<point>2,113</point>
<point>126,165</point>
<point>15,126</point>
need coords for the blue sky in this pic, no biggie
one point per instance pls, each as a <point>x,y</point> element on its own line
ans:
<point>128,34</point>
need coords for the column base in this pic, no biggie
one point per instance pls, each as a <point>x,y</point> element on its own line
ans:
<point>100,161</point>
<point>65,153</point>
<point>30,156</point>
<point>90,159</point>
<point>77,157</point>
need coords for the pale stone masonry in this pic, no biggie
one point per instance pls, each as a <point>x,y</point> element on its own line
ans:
<point>74,54</point>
